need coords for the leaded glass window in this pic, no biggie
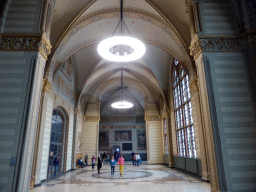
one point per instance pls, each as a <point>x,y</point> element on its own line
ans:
<point>183,112</point>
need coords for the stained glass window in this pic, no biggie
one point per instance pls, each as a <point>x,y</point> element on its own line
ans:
<point>183,112</point>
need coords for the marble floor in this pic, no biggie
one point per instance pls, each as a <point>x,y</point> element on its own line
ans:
<point>155,178</point>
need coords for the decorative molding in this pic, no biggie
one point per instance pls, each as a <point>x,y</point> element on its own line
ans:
<point>200,45</point>
<point>194,86</point>
<point>13,42</point>
<point>152,118</point>
<point>88,118</point>
<point>189,3</point>
<point>47,86</point>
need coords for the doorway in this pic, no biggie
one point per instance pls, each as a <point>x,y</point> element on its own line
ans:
<point>56,145</point>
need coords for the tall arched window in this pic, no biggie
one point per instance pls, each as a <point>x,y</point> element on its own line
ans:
<point>183,112</point>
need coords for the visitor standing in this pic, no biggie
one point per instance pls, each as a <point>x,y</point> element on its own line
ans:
<point>108,157</point>
<point>104,157</point>
<point>56,163</point>
<point>93,162</point>
<point>117,156</point>
<point>112,163</point>
<point>99,165</point>
<point>121,165</point>
<point>86,159</point>
<point>138,159</point>
<point>132,157</point>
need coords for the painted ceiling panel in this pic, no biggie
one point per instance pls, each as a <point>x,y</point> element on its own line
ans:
<point>86,60</point>
<point>158,61</point>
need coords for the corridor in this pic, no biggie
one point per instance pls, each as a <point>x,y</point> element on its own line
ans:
<point>155,178</point>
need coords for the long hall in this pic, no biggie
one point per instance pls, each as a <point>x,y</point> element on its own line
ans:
<point>170,83</point>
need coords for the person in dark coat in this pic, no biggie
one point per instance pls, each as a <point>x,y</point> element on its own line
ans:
<point>99,164</point>
<point>56,163</point>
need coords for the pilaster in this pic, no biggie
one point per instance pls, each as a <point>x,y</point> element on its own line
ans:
<point>226,97</point>
<point>199,131</point>
<point>154,138</point>
<point>38,151</point>
<point>90,132</point>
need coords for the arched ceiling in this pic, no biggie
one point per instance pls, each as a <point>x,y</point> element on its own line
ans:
<point>79,25</point>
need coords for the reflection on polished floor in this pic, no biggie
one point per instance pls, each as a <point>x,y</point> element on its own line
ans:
<point>136,179</point>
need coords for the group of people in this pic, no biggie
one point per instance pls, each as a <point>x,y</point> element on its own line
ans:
<point>116,158</point>
<point>106,157</point>
<point>112,164</point>
<point>81,162</point>
<point>136,159</point>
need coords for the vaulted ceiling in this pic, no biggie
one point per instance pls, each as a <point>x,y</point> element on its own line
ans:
<point>79,25</point>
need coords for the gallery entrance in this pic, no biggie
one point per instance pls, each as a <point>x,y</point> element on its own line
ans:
<point>115,149</point>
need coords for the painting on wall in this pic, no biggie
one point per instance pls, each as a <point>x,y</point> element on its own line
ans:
<point>123,135</point>
<point>67,70</point>
<point>64,89</point>
<point>141,136</point>
<point>103,140</point>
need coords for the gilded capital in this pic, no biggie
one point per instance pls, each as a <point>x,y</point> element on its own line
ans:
<point>189,3</point>
<point>47,86</point>
<point>88,118</point>
<point>13,42</point>
<point>152,118</point>
<point>199,45</point>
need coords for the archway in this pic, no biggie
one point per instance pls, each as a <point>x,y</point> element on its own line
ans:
<point>57,148</point>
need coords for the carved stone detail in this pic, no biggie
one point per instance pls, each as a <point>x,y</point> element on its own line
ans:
<point>91,118</point>
<point>26,43</point>
<point>189,3</point>
<point>214,45</point>
<point>152,117</point>
<point>47,85</point>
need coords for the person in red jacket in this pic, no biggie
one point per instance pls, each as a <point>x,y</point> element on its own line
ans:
<point>121,165</point>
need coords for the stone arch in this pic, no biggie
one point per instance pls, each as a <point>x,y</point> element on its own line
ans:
<point>65,136</point>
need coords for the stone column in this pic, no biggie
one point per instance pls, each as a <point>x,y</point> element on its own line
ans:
<point>228,113</point>
<point>23,60</point>
<point>169,132</point>
<point>73,165</point>
<point>154,139</point>
<point>41,156</point>
<point>199,131</point>
<point>226,96</point>
<point>90,136</point>
<point>24,48</point>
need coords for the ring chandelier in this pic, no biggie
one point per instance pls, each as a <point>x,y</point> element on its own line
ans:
<point>121,48</point>
<point>122,104</point>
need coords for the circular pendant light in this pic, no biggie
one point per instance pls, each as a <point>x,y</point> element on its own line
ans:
<point>122,105</point>
<point>121,49</point>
